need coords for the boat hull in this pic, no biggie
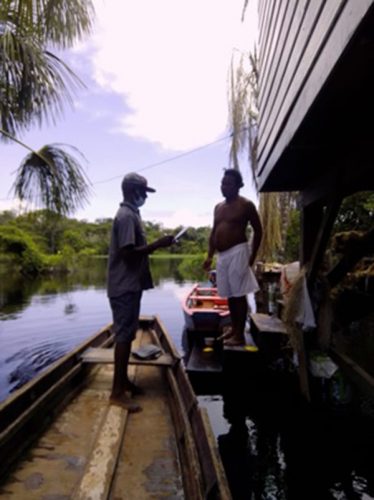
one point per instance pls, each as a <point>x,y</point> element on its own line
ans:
<point>205,310</point>
<point>206,321</point>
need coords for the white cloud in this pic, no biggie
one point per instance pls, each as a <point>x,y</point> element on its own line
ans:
<point>16,205</point>
<point>180,218</point>
<point>169,61</point>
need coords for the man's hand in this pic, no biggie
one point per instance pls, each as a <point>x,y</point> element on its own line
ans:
<point>165,241</point>
<point>207,265</point>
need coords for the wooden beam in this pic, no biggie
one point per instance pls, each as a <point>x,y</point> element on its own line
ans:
<point>360,377</point>
<point>323,236</point>
<point>311,217</point>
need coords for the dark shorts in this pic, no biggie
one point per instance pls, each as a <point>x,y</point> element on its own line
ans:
<point>125,310</point>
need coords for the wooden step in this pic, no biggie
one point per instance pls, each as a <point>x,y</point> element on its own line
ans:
<point>264,323</point>
<point>200,361</point>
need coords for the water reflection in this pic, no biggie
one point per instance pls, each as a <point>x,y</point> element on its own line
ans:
<point>43,318</point>
<point>31,360</point>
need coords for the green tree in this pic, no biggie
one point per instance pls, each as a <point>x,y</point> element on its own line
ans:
<point>35,84</point>
<point>20,245</point>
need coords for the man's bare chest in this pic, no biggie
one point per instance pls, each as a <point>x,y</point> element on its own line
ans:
<point>231,215</point>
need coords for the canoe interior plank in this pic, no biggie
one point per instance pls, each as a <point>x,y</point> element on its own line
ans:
<point>148,465</point>
<point>98,475</point>
<point>54,466</point>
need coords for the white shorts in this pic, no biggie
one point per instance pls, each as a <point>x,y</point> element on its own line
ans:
<point>234,276</point>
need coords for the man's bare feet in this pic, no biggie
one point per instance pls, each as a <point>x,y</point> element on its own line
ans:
<point>125,403</point>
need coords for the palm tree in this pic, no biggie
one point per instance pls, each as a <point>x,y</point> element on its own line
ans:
<point>35,85</point>
<point>274,208</point>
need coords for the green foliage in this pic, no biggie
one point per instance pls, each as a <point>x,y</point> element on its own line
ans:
<point>60,241</point>
<point>7,216</point>
<point>356,213</point>
<point>23,249</point>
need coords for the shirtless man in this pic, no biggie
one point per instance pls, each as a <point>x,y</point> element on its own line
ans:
<point>235,278</point>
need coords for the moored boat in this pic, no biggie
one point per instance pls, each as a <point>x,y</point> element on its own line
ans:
<point>59,437</point>
<point>205,310</point>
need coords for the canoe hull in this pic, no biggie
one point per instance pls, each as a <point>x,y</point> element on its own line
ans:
<point>60,429</point>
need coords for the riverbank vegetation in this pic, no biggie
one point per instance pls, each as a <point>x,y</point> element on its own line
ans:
<point>43,241</point>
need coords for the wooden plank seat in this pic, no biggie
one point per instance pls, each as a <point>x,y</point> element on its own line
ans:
<point>105,355</point>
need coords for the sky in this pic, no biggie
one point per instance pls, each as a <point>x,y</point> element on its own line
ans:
<point>154,102</point>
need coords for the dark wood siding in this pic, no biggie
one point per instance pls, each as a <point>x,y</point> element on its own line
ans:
<point>301,42</point>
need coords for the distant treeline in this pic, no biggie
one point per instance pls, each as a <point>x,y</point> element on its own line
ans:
<point>43,241</point>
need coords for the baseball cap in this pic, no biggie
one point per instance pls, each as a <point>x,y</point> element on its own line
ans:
<point>133,179</point>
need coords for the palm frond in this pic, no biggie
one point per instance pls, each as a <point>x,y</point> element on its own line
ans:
<point>34,84</point>
<point>243,111</point>
<point>52,178</point>
<point>56,22</point>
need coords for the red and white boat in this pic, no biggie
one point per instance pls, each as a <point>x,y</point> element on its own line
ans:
<point>205,310</point>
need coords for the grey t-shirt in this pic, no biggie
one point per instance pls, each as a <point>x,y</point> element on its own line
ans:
<point>124,276</point>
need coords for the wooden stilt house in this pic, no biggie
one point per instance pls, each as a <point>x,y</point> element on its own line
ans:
<point>316,125</point>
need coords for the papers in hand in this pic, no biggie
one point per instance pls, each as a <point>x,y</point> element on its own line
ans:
<point>181,232</point>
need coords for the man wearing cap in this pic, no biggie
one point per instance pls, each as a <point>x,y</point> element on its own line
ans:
<point>128,276</point>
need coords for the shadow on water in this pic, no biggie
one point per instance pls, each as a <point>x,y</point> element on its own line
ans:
<point>275,446</point>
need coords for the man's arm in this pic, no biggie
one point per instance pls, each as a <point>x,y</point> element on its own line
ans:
<point>131,252</point>
<point>254,220</point>
<point>211,248</point>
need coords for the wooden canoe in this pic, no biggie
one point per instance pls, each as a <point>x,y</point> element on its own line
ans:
<point>59,437</point>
